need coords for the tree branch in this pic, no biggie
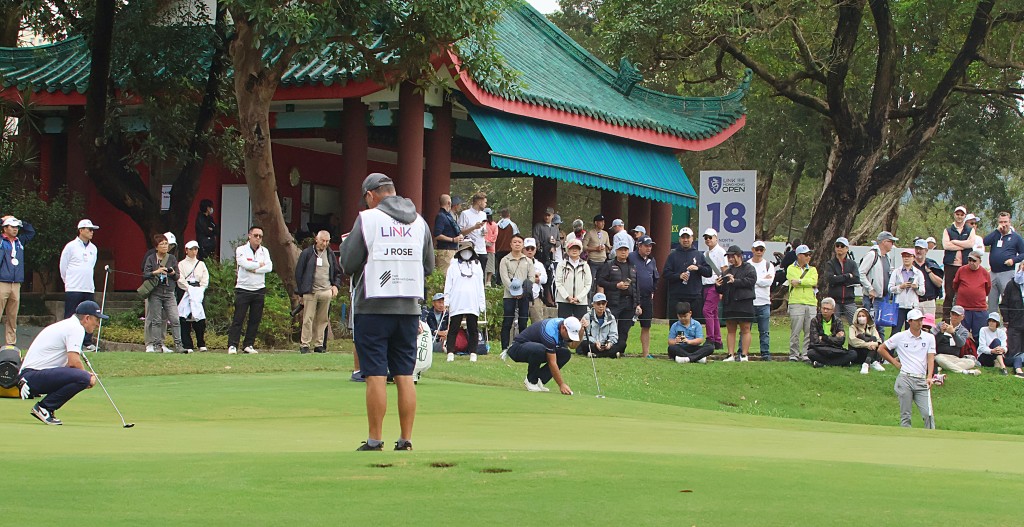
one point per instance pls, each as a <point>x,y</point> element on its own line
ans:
<point>885,70</point>
<point>65,12</point>
<point>1014,93</point>
<point>784,88</point>
<point>1005,18</point>
<point>814,70</point>
<point>999,64</point>
<point>844,41</point>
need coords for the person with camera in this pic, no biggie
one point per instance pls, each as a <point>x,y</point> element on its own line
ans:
<point>193,279</point>
<point>617,279</point>
<point>686,341</point>
<point>600,330</point>
<point>162,267</point>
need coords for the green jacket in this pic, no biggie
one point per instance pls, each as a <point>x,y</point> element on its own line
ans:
<point>802,293</point>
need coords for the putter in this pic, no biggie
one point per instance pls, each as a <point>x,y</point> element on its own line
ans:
<point>103,303</point>
<point>593,363</point>
<point>100,381</point>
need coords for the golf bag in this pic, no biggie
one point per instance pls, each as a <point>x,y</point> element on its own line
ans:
<point>10,371</point>
<point>424,356</point>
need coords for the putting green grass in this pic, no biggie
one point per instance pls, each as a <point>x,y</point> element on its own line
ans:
<point>277,449</point>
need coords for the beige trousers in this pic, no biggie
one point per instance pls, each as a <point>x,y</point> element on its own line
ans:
<point>10,302</point>
<point>314,317</point>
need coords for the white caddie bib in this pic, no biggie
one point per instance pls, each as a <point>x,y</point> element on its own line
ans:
<point>394,262</point>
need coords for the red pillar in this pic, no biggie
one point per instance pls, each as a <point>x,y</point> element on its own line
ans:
<point>438,177</point>
<point>640,214</point>
<point>354,144</point>
<point>611,206</point>
<point>661,216</point>
<point>545,194</point>
<point>409,180</point>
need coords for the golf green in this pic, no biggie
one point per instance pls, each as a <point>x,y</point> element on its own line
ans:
<point>263,449</point>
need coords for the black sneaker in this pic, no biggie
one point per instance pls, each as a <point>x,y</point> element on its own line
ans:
<point>817,364</point>
<point>400,445</point>
<point>766,358</point>
<point>304,350</point>
<point>366,447</point>
<point>320,349</point>
<point>45,415</point>
<point>1004,372</point>
<point>718,346</point>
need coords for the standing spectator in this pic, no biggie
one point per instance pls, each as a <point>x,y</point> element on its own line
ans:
<point>538,279</point>
<point>949,341</point>
<point>317,281</point>
<point>253,263</point>
<point>932,272</point>
<point>763,297</point>
<point>601,331</point>
<point>736,286</point>
<point>802,280</point>
<point>1006,251</point>
<point>618,281</point>
<point>447,234</point>
<point>916,362</point>
<point>907,283</point>
<point>578,233</point>
<point>506,228</point>
<point>684,268</point>
<point>638,232</point>
<point>971,286</point>
<point>207,230</point>
<point>931,243</point>
<point>864,341</point>
<point>161,305</point>
<point>828,337</point>
<point>193,279</point>
<point>1012,306</point>
<point>597,245</point>
<point>572,283</point>
<point>715,258</point>
<point>977,242</point>
<point>556,252</point>
<point>993,343</point>
<point>841,275</point>
<point>546,235</point>
<point>464,298</point>
<point>436,318</point>
<point>472,222</point>
<point>387,313</point>
<point>686,338</point>
<point>789,255</point>
<point>875,270</point>
<point>517,274</point>
<point>12,272</point>
<point>77,267</point>
<point>490,238</point>
<point>646,283</point>
<point>619,234</point>
<point>956,245</point>
<point>544,347</point>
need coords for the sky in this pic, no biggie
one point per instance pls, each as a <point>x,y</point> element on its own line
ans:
<point>545,6</point>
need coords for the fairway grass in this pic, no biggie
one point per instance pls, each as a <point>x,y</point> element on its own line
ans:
<point>277,449</point>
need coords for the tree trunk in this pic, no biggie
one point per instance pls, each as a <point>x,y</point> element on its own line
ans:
<point>764,186</point>
<point>794,184</point>
<point>254,88</point>
<point>10,24</point>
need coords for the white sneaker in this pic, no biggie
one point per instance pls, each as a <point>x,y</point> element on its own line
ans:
<point>150,349</point>
<point>232,350</point>
<point>504,355</point>
<point>591,355</point>
<point>472,357</point>
<point>682,360</point>
<point>530,387</point>
<point>864,368</point>
<point>165,349</point>
<point>90,347</point>
<point>189,350</point>
<point>744,359</point>
<point>451,357</point>
<point>250,350</point>
<point>877,366</point>
<point>202,349</point>
<point>730,358</point>
<point>972,372</point>
<point>703,360</point>
<point>542,388</point>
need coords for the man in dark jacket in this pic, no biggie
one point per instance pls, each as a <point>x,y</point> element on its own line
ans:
<point>317,279</point>
<point>1012,306</point>
<point>618,280</point>
<point>646,282</point>
<point>841,275</point>
<point>827,338</point>
<point>12,272</point>
<point>683,270</point>
<point>1006,250</point>
<point>207,230</point>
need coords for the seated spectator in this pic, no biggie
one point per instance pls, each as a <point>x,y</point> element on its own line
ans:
<point>864,340</point>
<point>992,344</point>
<point>949,341</point>
<point>686,341</point>
<point>827,338</point>
<point>436,318</point>
<point>601,333</point>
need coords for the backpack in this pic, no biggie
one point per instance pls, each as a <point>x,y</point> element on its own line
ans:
<point>969,349</point>
<point>10,366</point>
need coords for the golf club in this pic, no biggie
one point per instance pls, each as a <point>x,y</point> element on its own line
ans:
<point>593,364</point>
<point>100,381</point>
<point>103,303</point>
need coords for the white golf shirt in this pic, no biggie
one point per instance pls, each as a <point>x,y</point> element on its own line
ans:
<point>77,263</point>
<point>912,351</point>
<point>51,347</point>
<point>471,217</point>
<point>765,277</point>
<point>252,277</point>
<point>717,260</point>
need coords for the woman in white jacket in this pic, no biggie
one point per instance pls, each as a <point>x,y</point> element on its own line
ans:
<point>907,283</point>
<point>193,279</point>
<point>464,298</point>
<point>572,283</point>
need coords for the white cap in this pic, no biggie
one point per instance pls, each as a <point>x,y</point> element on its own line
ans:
<point>87,224</point>
<point>921,243</point>
<point>515,287</point>
<point>599,297</point>
<point>640,229</point>
<point>995,316</point>
<point>530,242</point>
<point>758,243</point>
<point>617,223</point>
<point>710,232</point>
<point>619,244</point>
<point>11,221</point>
<point>191,244</point>
<point>574,243</point>
<point>971,217</point>
<point>685,230</point>
<point>930,239</point>
<point>915,314</point>
<point>961,208</point>
<point>572,327</point>
<point>803,249</point>
<point>171,240</point>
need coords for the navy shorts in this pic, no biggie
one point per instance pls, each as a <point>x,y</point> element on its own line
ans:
<point>647,305</point>
<point>386,344</point>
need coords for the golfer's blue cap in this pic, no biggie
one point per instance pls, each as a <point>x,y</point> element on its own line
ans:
<point>89,307</point>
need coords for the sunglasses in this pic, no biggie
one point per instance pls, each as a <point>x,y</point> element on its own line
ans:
<point>529,248</point>
<point>839,245</point>
<point>256,235</point>
<point>708,237</point>
<point>759,249</point>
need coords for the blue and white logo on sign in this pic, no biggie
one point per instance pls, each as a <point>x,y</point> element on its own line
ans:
<point>715,184</point>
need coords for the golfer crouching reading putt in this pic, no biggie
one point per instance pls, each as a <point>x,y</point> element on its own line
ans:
<point>387,255</point>
<point>544,347</point>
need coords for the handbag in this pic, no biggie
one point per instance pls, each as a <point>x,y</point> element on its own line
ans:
<point>888,312</point>
<point>150,284</point>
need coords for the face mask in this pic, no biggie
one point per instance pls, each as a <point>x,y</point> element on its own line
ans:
<point>465,254</point>
<point>1018,278</point>
<point>862,321</point>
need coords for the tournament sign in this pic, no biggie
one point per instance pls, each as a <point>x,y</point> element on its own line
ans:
<point>728,201</point>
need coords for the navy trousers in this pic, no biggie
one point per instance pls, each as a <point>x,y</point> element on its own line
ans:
<point>59,385</point>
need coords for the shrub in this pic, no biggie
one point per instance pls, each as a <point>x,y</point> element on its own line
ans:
<point>277,326</point>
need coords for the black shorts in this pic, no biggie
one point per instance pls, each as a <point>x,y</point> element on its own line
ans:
<point>386,343</point>
<point>647,305</point>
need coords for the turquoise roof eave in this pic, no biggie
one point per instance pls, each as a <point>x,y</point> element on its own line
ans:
<point>538,148</point>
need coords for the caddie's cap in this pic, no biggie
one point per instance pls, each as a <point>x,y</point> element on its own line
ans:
<point>376,180</point>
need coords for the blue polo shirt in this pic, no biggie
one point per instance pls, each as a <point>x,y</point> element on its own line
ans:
<point>692,331</point>
<point>1009,247</point>
<point>544,332</point>
<point>445,225</point>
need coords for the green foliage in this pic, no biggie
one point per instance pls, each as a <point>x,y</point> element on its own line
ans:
<point>277,327</point>
<point>55,221</point>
